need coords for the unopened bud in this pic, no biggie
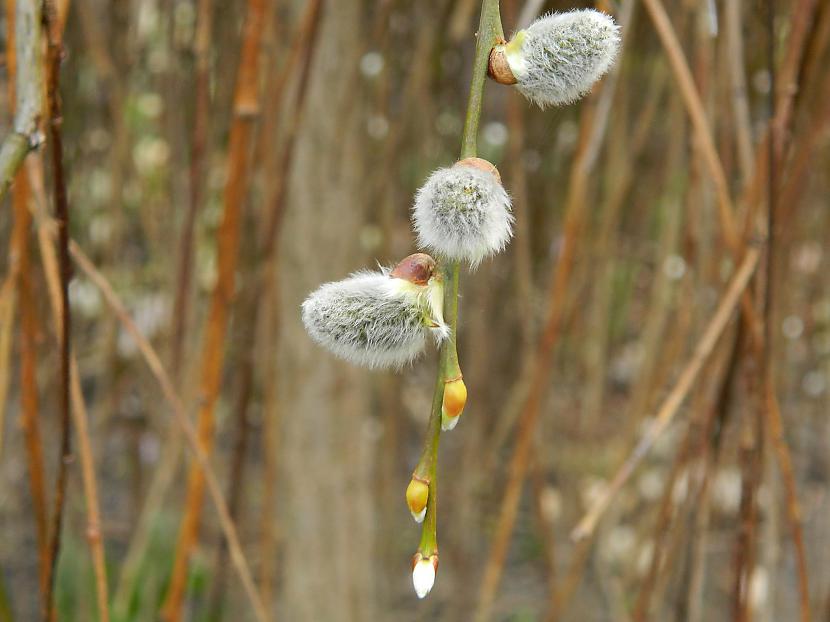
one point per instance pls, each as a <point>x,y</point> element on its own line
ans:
<point>455,397</point>
<point>417,494</point>
<point>417,269</point>
<point>423,573</point>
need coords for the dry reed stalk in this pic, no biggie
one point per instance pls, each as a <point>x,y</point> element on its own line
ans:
<point>262,262</point>
<point>171,452</point>
<point>779,124</point>
<point>21,264</point>
<point>559,599</point>
<point>46,229</point>
<point>676,396</point>
<point>63,329</point>
<point>664,286</point>
<point>180,414</point>
<point>710,460</point>
<point>775,426</point>
<point>245,112</point>
<point>557,294</point>
<point>196,172</point>
<point>29,328</point>
<point>803,151</point>
<point>802,13</point>
<point>537,484</point>
<point>516,122</point>
<point>30,423</point>
<point>8,291</point>
<point>624,150</point>
<point>591,136</point>
<point>751,458</point>
<point>700,430</point>
<point>802,26</point>
<point>24,56</point>
<point>8,303</point>
<point>532,406</point>
<point>733,25</point>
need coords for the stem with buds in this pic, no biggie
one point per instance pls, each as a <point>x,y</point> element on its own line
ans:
<point>489,33</point>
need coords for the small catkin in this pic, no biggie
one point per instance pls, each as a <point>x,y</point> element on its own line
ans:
<point>372,319</point>
<point>463,212</point>
<point>558,58</point>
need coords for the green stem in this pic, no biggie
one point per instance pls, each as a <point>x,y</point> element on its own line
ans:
<point>489,33</point>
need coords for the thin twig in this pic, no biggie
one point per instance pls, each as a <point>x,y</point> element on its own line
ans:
<point>675,398</point>
<point>54,56</point>
<point>771,407</point>
<point>201,49</point>
<point>245,111</point>
<point>25,134</point>
<point>592,133</point>
<point>263,262</point>
<point>20,263</point>
<point>180,415</point>
<point>489,31</point>
<point>46,230</point>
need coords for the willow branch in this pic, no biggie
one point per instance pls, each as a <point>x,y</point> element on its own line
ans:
<point>25,134</point>
<point>489,32</point>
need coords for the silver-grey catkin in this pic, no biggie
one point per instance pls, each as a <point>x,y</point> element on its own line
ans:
<point>463,213</point>
<point>372,319</point>
<point>559,57</point>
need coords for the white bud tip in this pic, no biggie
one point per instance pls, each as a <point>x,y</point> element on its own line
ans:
<point>419,517</point>
<point>448,423</point>
<point>423,577</point>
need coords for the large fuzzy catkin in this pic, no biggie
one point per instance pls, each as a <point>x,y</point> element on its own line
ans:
<point>463,212</point>
<point>559,57</point>
<point>374,319</point>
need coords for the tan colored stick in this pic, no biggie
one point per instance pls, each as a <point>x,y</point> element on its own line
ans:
<point>157,369</point>
<point>245,111</point>
<point>678,393</point>
<point>80,419</point>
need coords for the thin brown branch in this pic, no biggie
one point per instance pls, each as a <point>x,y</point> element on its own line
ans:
<point>180,414</point>
<point>201,119</point>
<point>676,396</point>
<point>25,134</point>
<point>54,56</point>
<point>771,407</point>
<point>46,238</point>
<point>20,263</point>
<point>28,376</point>
<point>245,111</point>
<point>592,132</point>
<point>740,102</point>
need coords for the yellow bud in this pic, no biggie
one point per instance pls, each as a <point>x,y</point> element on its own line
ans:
<point>417,494</point>
<point>455,397</point>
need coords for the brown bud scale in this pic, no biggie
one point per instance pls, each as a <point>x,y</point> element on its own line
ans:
<point>498,68</point>
<point>417,269</point>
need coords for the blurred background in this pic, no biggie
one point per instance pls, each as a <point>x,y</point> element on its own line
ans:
<point>343,110</point>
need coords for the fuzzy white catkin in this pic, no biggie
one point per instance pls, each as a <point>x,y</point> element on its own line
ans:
<point>371,319</point>
<point>463,213</point>
<point>559,57</point>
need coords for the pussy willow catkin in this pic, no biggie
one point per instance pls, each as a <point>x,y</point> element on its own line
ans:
<point>378,319</point>
<point>558,58</point>
<point>463,212</point>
